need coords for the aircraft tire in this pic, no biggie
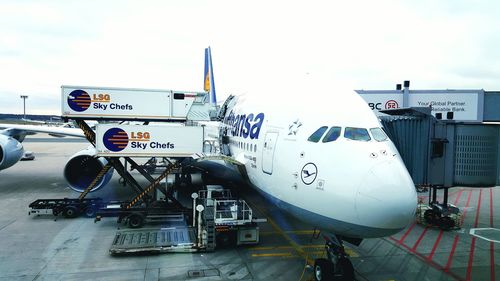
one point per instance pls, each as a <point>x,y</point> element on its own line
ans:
<point>346,269</point>
<point>323,270</point>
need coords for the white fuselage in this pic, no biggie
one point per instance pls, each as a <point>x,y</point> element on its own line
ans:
<point>357,188</point>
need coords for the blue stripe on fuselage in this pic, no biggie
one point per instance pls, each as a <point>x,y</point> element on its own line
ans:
<point>329,224</point>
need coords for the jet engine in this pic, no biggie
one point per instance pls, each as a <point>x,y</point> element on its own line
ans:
<point>83,167</point>
<point>10,151</point>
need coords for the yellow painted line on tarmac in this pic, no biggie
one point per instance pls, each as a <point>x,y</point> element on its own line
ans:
<point>284,235</point>
<point>298,232</point>
<point>293,244</point>
<point>273,255</point>
<point>264,248</point>
<point>313,246</point>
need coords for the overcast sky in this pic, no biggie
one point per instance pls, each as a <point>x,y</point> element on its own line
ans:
<point>159,44</point>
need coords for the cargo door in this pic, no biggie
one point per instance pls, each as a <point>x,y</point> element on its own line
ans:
<point>268,152</point>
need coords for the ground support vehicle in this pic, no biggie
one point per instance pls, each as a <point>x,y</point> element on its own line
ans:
<point>136,217</point>
<point>67,207</point>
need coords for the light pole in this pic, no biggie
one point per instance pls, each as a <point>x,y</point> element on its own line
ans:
<point>24,104</point>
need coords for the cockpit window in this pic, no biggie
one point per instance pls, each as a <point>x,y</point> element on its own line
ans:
<point>332,135</point>
<point>316,136</point>
<point>378,134</point>
<point>359,134</point>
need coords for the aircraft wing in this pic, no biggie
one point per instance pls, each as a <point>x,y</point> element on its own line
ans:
<point>19,130</point>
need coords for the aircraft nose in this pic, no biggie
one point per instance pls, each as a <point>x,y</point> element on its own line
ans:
<point>386,198</point>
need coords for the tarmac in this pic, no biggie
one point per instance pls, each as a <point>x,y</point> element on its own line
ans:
<point>46,248</point>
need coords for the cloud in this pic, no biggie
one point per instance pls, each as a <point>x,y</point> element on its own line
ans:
<point>159,44</point>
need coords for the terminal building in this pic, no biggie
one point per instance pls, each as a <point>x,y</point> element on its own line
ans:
<point>446,137</point>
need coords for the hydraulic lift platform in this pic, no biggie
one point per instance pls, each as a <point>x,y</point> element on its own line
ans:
<point>154,240</point>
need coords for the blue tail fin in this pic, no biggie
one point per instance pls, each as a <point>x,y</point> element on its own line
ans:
<point>208,78</point>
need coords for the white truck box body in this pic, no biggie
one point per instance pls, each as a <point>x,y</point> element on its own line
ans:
<point>148,141</point>
<point>127,103</point>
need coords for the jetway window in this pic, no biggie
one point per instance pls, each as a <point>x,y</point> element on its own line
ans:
<point>378,134</point>
<point>332,135</point>
<point>316,136</point>
<point>359,134</point>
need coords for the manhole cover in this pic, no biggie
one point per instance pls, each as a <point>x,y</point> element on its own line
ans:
<point>203,273</point>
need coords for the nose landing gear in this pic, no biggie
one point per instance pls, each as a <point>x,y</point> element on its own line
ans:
<point>337,265</point>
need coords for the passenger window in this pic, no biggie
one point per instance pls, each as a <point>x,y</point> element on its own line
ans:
<point>378,134</point>
<point>359,134</point>
<point>316,136</point>
<point>332,135</point>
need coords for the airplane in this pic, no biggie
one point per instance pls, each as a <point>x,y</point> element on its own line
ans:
<point>329,164</point>
<point>323,159</point>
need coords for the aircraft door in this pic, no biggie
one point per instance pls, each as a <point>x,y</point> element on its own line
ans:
<point>268,152</point>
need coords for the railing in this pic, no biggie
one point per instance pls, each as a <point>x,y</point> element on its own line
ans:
<point>232,211</point>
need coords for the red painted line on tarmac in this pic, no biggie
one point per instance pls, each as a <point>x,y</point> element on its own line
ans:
<point>432,263</point>
<point>455,242</point>
<point>471,258</point>
<point>440,235</point>
<point>473,244</point>
<point>406,233</point>
<point>492,244</point>
<point>466,206</point>
<point>419,239</point>
<point>452,252</point>
<point>436,244</point>
<point>458,197</point>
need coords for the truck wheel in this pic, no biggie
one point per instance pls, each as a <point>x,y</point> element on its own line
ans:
<point>226,239</point>
<point>429,217</point>
<point>323,270</point>
<point>70,212</point>
<point>346,269</point>
<point>135,221</point>
<point>90,212</point>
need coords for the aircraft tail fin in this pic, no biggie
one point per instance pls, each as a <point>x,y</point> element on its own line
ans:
<point>208,77</point>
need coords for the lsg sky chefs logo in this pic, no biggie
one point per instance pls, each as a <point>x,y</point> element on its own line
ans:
<point>116,139</point>
<point>79,101</point>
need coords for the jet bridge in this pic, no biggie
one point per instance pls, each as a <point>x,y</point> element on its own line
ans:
<point>440,154</point>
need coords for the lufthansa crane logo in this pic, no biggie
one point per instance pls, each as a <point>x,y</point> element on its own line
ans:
<point>115,139</point>
<point>309,173</point>
<point>79,100</point>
